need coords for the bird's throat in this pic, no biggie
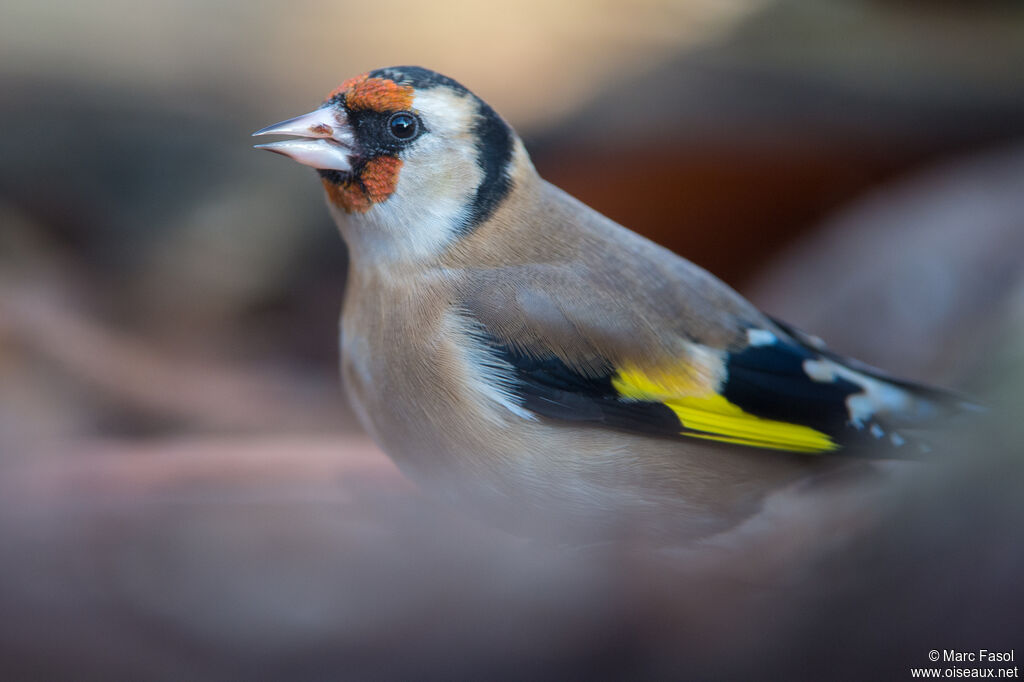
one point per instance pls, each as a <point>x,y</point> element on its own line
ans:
<point>372,184</point>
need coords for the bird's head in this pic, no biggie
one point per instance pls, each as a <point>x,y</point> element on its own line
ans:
<point>406,149</point>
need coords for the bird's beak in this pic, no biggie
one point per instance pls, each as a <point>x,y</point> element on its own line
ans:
<point>324,139</point>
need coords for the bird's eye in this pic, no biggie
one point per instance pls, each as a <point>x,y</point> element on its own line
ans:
<point>403,125</point>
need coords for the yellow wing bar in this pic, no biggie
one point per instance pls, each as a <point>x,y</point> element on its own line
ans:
<point>707,414</point>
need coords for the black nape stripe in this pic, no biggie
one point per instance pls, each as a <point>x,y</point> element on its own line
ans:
<point>494,146</point>
<point>495,141</point>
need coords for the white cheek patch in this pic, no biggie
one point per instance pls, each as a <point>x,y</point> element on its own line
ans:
<point>876,397</point>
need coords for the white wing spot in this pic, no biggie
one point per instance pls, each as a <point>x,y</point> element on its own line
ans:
<point>877,431</point>
<point>821,371</point>
<point>875,396</point>
<point>490,376</point>
<point>897,439</point>
<point>760,337</point>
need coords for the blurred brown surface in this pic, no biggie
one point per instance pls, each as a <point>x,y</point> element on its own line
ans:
<point>730,151</point>
<point>285,558</point>
<point>923,277</point>
<point>701,199</point>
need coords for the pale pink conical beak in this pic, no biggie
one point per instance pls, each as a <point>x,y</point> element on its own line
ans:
<point>324,139</point>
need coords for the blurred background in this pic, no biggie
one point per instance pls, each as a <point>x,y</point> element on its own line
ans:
<point>183,491</point>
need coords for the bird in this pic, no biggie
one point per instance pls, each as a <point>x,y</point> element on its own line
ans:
<point>512,348</point>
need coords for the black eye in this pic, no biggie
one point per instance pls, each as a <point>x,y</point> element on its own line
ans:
<point>403,125</point>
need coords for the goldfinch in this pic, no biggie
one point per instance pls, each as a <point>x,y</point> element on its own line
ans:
<point>503,341</point>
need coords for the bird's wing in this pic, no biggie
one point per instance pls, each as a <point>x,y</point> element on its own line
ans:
<point>639,358</point>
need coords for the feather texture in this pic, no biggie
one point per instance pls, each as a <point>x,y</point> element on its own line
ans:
<point>600,325</point>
